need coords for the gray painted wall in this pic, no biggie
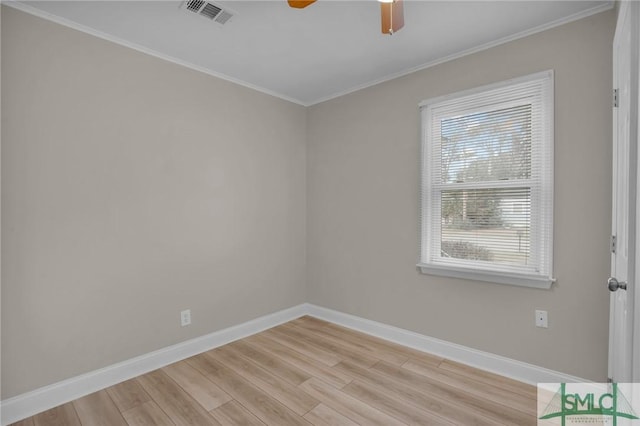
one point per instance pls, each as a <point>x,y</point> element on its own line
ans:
<point>133,188</point>
<point>363,207</point>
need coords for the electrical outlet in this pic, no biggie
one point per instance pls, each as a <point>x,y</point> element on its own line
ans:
<point>541,319</point>
<point>185,317</point>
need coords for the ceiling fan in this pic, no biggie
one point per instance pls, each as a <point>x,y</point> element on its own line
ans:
<point>391,11</point>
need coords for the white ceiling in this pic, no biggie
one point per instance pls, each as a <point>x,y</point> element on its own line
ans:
<point>309,55</point>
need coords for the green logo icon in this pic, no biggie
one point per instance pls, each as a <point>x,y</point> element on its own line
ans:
<point>609,403</point>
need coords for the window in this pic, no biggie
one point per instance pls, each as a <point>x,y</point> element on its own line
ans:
<point>487,183</point>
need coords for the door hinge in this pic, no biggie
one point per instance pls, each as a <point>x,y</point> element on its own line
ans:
<point>613,244</point>
<point>615,98</point>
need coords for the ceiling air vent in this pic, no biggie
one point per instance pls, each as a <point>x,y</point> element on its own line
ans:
<point>208,10</point>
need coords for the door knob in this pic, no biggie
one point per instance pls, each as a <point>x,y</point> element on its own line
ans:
<point>613,284</point>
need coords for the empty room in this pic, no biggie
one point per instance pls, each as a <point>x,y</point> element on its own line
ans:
<point>281,212</point>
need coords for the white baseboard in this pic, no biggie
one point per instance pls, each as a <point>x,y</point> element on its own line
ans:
<point>30,403</point>
<point>507,367</point>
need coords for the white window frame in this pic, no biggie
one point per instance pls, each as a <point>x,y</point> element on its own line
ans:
<point>540,274</point>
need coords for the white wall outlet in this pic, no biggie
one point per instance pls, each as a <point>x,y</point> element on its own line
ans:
<point>541,319</point>
<point>185,317</point>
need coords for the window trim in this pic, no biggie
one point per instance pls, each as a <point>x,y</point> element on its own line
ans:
<point>543,280</point>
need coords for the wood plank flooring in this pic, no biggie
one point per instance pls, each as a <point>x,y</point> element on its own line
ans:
<point>305,372</point>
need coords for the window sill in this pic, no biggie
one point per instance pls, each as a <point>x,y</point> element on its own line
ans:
<point>520,280</point>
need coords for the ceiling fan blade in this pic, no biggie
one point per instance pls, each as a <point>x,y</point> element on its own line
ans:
<point>392,16</point>
<point>300,4</point>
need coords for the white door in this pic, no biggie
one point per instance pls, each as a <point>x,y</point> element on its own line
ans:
<point>623,257</point>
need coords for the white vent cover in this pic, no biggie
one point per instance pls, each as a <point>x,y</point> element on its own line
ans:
<point>208,10</point>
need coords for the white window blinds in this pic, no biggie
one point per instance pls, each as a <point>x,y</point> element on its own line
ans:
<point>487,183</point>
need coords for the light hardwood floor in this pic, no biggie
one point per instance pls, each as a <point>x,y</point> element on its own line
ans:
<point>306,371</point>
